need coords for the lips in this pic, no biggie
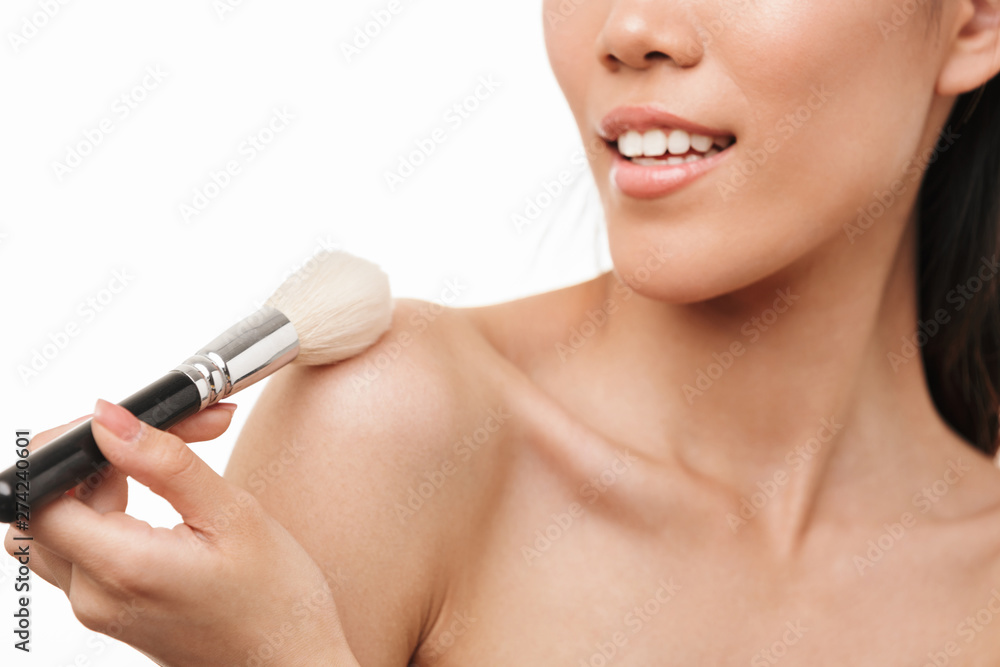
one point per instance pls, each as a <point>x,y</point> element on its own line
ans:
<point>657,152</point>
<point>647,117</point>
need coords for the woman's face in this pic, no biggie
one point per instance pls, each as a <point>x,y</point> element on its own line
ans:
<point>824,106</point>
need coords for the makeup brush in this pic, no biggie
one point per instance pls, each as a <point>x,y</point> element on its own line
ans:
<point>333,308</point>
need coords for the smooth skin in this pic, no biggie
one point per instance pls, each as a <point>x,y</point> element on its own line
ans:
<point>509,485</point>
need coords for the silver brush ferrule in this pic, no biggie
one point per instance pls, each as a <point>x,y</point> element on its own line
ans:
<point>246,352</point>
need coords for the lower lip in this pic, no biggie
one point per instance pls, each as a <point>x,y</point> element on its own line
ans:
<point>656,181</point>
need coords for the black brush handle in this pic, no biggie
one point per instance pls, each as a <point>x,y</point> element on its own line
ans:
<point>70,459</point>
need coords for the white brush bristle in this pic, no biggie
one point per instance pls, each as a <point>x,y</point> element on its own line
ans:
<point>339,305</point>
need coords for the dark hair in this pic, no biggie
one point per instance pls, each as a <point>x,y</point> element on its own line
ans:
<point>959,231</point>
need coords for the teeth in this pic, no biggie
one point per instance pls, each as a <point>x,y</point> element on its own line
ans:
<point>654,143</point>
<point>700,142</point>
<point>659,142</point>
<point>630,144</point>
<point>680,142</point>
<point>673,159</point>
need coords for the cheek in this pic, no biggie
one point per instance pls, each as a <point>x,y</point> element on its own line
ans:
<point>572,29</point>
<point>831,90</point>
<point>838,114</point>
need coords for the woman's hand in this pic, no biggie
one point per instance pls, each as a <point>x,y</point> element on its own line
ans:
<point>228,586</point>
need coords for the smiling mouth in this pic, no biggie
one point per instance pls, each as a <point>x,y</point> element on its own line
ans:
<point>668,146</point>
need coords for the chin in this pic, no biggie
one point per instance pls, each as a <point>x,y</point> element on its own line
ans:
<point>684,264</point>
<point>667,272</point>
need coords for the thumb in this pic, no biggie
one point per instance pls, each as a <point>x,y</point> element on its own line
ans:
<point>161,461</point>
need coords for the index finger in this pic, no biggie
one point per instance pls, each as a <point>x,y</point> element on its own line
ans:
<point>164,463</point>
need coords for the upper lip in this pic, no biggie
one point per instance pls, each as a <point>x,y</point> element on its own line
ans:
<point>647,117</point>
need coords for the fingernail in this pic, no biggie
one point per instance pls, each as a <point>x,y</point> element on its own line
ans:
<point>122,423</point>
<point>231,407</point>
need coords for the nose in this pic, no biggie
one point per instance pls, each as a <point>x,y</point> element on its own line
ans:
<point>639,33</point>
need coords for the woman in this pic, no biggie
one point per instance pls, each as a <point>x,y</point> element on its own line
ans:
<point>765,436</point>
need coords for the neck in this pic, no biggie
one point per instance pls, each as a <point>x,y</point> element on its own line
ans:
<point>790,375</point>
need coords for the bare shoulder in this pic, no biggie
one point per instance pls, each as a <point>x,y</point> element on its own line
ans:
<point>528,331</point>
<point>368,464</point>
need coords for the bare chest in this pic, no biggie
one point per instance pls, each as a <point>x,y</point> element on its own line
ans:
<point>565,583</point>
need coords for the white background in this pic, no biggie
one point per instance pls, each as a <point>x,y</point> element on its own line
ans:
<point>320,181</point>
